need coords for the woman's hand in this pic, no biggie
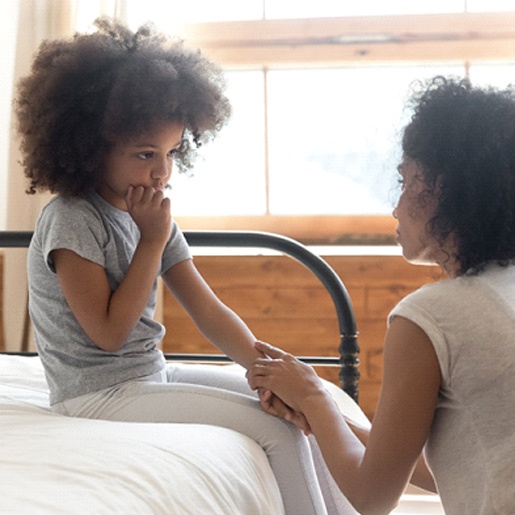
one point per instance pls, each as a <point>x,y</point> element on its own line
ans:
<point>292,381</point>
<point>275,406</point>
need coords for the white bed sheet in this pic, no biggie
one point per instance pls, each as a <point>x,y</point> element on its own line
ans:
<point>51,464</point>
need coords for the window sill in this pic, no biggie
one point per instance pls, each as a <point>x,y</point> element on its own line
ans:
<point>310,230</point>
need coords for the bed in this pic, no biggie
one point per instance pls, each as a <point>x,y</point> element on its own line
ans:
<point>55,464</point>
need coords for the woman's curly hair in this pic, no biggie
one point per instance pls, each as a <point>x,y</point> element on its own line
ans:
<point>86,93</point>
<point>464,139</point>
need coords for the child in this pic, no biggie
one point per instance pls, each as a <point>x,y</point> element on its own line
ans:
<point>102,118</point>
<point>449,356</point>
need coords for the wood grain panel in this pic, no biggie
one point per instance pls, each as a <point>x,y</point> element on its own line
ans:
<point>238,271</point>
<point>380,301</point>
<point>313,336</point>
<point>292,302</point>
<point>285,304</point>
<point>381,271</point>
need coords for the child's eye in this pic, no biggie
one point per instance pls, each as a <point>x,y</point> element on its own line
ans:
<point>173,152</point>
<point>400,180</point>
<point>145,155</point>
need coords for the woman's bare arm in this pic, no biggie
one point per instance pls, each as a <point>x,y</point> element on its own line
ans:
<point>372,478</point>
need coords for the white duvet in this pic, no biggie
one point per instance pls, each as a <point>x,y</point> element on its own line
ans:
<point>51,464</point>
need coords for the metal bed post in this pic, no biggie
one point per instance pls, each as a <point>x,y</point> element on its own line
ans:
<point>348,347</point>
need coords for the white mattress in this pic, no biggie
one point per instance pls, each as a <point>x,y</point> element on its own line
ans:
<point>51,464</point>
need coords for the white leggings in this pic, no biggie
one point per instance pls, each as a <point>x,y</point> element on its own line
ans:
<point>209,394</point>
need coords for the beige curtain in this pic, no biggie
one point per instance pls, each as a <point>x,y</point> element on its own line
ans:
<point>30,22</point>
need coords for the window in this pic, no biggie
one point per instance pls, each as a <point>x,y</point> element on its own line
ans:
<point>333,137</point>
<point>229,177</point>
<point>318,91</point>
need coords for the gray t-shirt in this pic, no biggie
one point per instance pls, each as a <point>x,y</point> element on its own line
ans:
<point>471,447</point>
<point>99,232</point>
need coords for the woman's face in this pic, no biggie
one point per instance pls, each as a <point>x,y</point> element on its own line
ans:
<point>145,160</point>
<point>415,208</point>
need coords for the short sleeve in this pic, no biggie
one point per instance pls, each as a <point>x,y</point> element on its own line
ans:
<point>418,308</point>
<point>74,226</point>
<point>176,250</point>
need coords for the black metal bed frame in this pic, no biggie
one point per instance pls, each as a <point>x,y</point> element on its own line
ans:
<point>348,346</point>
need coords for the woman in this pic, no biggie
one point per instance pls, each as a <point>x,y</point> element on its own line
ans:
<point>449,357</point>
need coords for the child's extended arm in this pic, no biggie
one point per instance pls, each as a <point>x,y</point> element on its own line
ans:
<point>108,316</point>
<point>373,478</point>
<point>221,326</point>
<point>218,323</point>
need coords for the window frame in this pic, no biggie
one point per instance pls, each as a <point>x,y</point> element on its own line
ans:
<point>347,41</point>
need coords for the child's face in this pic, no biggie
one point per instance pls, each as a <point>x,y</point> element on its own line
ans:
<point>413,214</point>
<point>145,160</point>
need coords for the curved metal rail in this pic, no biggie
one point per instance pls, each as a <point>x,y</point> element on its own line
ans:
<point>348,347</point>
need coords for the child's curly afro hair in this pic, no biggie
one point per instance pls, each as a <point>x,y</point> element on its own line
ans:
<point>85,93</point>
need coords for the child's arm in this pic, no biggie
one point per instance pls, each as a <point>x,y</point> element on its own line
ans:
<point>218,323</point>
<point>222,327</point>
<point>108,316</point>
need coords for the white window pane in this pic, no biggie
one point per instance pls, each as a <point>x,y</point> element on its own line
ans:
<point>334,137</point>
<point>166,13</point>
<point>490,5</point>
<point>324,8</point>
<point>229,177</point>
<point>498,75</point>
<point>88,12</point>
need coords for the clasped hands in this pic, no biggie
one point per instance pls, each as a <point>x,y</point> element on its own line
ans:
<point>282,382</point>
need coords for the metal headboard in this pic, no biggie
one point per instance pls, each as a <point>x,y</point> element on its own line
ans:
<point>348,346</point>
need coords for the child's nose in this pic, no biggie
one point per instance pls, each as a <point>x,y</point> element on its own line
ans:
<point>161,169</point>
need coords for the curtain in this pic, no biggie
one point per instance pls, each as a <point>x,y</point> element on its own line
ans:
<point>25,24</point>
